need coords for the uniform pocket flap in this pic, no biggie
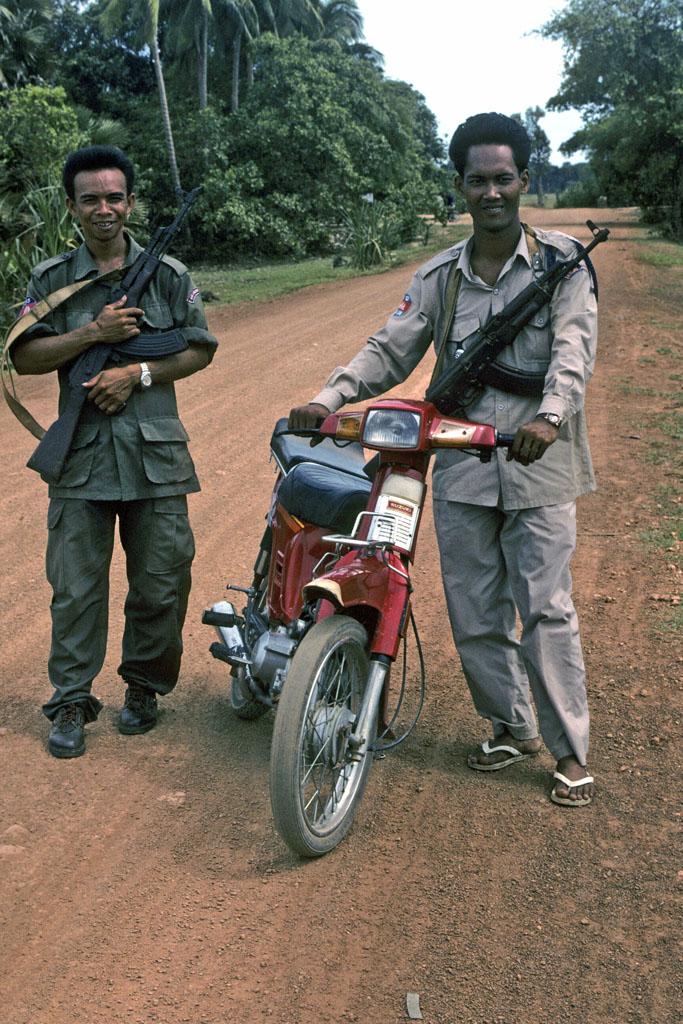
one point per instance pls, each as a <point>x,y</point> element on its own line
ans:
<point>163,429</point>
<point>54,512</point>
<point>84,435</point>
<point>463,327</point>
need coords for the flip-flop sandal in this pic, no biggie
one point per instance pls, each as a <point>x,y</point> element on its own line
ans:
<point>515,756</point>
<point>566,801</point>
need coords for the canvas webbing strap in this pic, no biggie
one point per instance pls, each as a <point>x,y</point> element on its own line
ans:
<point>19,327</point>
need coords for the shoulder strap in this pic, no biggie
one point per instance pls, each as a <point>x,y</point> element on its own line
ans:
<point>18,328</point>
<point>453,283</point>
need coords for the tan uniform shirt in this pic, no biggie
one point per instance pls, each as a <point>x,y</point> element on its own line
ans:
<point>141,452</point>
<point>560,342</point>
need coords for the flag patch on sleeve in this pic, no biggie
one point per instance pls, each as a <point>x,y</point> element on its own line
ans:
<point>404,306</point>
<point>192,297</point>
<point>29,303</point>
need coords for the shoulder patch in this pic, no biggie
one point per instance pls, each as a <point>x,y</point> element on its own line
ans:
<point>194,295</point>
<point>404,306</point>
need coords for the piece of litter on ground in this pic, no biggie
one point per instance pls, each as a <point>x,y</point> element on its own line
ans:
<point>413,1006</point>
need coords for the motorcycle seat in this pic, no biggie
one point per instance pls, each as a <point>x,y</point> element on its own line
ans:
<point>324,496</point>
<point>289,451</point>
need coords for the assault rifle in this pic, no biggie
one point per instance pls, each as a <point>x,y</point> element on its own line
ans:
<point>458,386</point>
<point>49,457</point>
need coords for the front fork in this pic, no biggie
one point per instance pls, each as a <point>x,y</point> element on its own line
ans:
<point>365,727</point>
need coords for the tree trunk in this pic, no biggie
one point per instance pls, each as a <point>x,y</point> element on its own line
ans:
<point>165,114</point>
<point>203,61</point>
<point>540,194</point>
<point>236,54</point>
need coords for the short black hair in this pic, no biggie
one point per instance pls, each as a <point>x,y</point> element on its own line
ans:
<point>96,158</point>
<point>486,129</point>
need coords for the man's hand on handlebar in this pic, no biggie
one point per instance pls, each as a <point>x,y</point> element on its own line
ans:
<point>531,441</point>
<point>304,417</point>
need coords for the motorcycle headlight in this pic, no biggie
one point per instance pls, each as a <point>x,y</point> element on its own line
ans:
<point>391,428</point>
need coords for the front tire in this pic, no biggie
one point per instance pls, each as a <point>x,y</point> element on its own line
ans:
<point>315,787</point>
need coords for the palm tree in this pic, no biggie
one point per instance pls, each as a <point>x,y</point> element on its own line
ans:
<point>340,20</point>
<point>146,16</point>
<point>24,54</point>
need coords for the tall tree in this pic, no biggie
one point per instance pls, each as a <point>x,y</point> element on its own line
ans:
<point>623,69</point>
<point>146,15</point>
<point>539,159</point>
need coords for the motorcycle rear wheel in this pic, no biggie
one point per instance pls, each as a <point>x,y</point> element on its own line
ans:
<point>315,788</point>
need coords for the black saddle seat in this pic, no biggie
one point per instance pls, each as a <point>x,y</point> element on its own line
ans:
<point>324,496</point>
<point>290,451</point>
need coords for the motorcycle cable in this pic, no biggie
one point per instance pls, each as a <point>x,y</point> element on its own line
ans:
<point>395,743</point>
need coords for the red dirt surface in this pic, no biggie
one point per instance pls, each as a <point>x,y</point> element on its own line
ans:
<point>144,882</point>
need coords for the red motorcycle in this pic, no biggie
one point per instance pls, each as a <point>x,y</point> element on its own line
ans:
<point>329,607</point>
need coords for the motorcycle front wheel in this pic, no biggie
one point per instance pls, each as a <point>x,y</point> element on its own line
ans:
<point>315,785</point>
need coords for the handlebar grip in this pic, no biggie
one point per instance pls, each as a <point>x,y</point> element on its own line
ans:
<point>504,440</point>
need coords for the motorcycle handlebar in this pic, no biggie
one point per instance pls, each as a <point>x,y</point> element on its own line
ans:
<point>504,440</point>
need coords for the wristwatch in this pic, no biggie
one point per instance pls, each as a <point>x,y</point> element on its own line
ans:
<point>145,375</point>
<point>551,417</point>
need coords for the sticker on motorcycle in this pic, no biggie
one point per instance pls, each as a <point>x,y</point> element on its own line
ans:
<point>394,522</point>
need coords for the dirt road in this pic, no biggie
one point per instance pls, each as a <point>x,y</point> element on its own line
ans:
<point>144,882</point>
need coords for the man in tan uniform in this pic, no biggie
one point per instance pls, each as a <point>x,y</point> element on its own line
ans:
<point>128,461</point>
<point>506,530</point>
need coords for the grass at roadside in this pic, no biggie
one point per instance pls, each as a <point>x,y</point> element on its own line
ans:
<point>269,280</point>
<point>659,253</point>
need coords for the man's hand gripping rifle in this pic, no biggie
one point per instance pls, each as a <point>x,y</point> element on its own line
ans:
<point>49,457</point>
<point>458,386</point>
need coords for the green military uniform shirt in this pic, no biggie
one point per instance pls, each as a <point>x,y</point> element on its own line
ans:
<point>141,452</point>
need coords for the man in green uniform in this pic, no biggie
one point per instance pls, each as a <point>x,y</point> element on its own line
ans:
<point>128,460</point>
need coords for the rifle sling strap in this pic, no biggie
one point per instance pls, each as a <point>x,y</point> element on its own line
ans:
<point>19,328</point>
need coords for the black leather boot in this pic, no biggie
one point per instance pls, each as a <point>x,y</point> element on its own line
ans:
<point>67,735</point>
<point>139,711</point>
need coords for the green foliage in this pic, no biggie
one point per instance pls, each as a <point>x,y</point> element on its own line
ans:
<point>37,130</point>
<point>42,227</point>
<point>317,129</point>
<point>25,54</point>
<point>624,71</point>
<point>369,233</point>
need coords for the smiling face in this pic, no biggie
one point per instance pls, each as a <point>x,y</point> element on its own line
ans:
<point>492,187</point>
<point>101,205</point>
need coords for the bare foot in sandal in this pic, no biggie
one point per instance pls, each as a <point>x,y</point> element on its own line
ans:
<point>493,755</point>
<point>574,786</point>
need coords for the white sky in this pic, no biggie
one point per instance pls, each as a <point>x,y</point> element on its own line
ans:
<point>469,57</point>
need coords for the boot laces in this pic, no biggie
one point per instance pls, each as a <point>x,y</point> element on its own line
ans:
<point>70,718</point>
<point>139,699</point>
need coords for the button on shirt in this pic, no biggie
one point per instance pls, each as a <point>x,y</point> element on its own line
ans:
<point>560,342</point>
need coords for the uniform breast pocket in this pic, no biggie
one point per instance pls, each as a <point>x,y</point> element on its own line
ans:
<point>531,348</point>
<point>461,332</point>
<point>165,456</point>
<point>157,316</point>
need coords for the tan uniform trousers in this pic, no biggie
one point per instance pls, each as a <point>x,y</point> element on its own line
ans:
<point>498,563</point>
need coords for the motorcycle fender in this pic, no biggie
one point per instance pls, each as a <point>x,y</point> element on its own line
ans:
<point>369,583</point>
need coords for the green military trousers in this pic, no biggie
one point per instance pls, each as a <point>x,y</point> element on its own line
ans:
<point>159,547</point>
